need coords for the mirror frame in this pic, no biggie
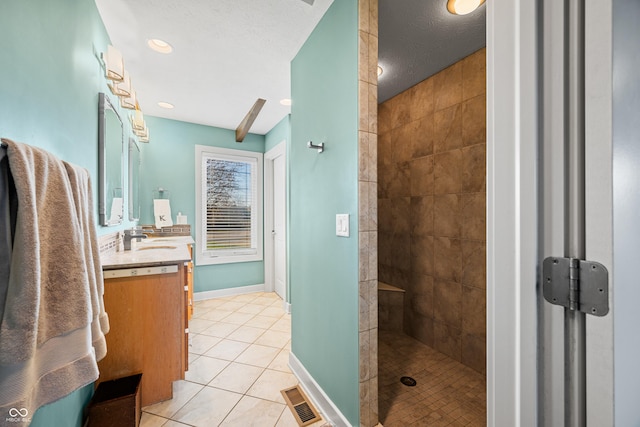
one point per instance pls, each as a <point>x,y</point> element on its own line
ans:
<point>103,104</point>
<point>134,172</point>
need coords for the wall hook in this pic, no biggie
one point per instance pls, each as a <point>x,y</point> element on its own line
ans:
<point>319,147</point>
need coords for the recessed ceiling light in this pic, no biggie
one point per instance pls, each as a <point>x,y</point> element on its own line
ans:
<point>380,71</point>
<point>463,7</point>
<point>165,105</point>
<point>285,101</point>
<point>160,46</point>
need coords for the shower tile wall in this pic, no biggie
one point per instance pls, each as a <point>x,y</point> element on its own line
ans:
<point>431,207</point>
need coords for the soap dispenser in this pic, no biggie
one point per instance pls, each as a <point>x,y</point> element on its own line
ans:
<point>181,219</point>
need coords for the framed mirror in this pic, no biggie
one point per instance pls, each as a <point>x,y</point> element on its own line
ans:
<point>110,164</point>
<point>134,180</point>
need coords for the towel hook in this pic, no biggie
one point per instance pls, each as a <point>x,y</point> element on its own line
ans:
<point>319,147</point>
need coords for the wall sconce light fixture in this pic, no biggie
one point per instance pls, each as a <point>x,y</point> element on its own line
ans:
<point>114,64</point>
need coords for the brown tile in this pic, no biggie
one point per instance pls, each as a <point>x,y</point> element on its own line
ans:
<point>474,168</point>
<point>400,105</point>
<point>447,259</point>
<point>446,216</point>
<point>363,105</point>
<point>400,215</point>
<point>421,296</point>
<point>421,328</point>
<point>384,118</point>
<point>474,263</point>
<point>422,216</point>
<point>447,174</point>
<point>372,110</point>
<point>447,305</point>
<point>422,255</point>
<point>398,180</point>
<point>363,56</point>
<point>373,17</point>
<point>421,99</point>
<point>373,59</point>
<point>423,137</point>
<point>401,147</point>
<point>384,215</point>
<point>401,251</point>
<point>422,176</point>
<point>447,87</point>
<point>473,216</point>
<point>474,120</point>
<point>474,352</point>
<point>474,74</point>
<point>385,241</point>
<point>474,318</point>
<point>447,340</point>
<point>447,129</point>
<point>385,152</point>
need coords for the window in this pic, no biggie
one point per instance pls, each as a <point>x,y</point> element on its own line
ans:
<point>228,205</point>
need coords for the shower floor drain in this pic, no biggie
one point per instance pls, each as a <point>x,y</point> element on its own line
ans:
<point>408,381</point>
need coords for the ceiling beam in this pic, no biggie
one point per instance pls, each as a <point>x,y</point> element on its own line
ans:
<point>245,124</point>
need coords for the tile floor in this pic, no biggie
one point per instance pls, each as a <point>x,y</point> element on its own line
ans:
<point>447,392</point>
<point>238,363</point>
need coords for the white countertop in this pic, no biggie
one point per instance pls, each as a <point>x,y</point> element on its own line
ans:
<point>150,252</point>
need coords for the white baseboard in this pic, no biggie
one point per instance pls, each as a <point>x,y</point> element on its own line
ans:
<point>327,408</point>
<point>229,292</point>
<point>287,307</point>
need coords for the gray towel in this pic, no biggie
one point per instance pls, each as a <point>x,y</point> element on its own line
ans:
<point>54,295</point>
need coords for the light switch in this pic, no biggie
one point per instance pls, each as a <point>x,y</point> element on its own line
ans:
<point>342,225</point>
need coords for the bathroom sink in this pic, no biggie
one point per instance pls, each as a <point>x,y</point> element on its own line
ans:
<point>146,248</point>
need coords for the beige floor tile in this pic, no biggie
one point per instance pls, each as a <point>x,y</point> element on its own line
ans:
<point>272,312</point>
<point>198,311</point>
<point>172,423</point>
<point>150,420</point>
<point>252,412</point>
<point>246,298</point>
<point>198,325</point>
<point>200,344</point>
<point>220,329</point>
<point>209,303</point>
<point>246,334</point>
<point>193,357</point>
<point>183,391</point>
<point>278,303</point>
<point>264,322</point>
<point>237,377</point>
<point>232,305</point>
<point>263,300</point>
<point>258,355</point>
<point>216,315</point>
<point>281,362</point>
<point>287,420</point>
<point>238,318</point>
<point>251,308</point>
<point>227,349</point>
<point>207,408</point>
<point>204,369</point>
<point>283,325</point>
<point>269,384</point>
<point>273,339</point>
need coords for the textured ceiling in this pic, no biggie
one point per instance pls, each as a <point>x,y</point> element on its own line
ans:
<point>418,38</point>
<point>228,53</point>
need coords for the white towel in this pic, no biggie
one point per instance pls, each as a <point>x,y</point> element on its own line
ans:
<point>52,317</point>
<point>162,213</point>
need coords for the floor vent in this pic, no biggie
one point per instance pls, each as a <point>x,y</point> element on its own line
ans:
<point>299,404</point>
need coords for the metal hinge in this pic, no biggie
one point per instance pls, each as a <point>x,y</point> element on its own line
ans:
<point>576,284</point>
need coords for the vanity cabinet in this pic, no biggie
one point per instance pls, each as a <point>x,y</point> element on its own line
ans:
<point>148,316</point>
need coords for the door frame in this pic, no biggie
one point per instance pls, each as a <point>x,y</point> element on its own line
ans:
<point>279,150</point>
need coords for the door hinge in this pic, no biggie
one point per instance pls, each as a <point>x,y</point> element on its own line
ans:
<point>576,284</point>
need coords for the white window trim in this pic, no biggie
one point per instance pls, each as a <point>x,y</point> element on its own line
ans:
<point>202,257</point>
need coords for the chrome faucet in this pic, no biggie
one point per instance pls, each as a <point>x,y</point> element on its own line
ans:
<point>134,233</point>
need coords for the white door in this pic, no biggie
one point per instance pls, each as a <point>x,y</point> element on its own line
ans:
<point>279,228</point>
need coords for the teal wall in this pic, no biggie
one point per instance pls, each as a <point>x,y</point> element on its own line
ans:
<point>168,161</point>
<point>324,267</point>
<point>280,132</point>
<point>49,83</point>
